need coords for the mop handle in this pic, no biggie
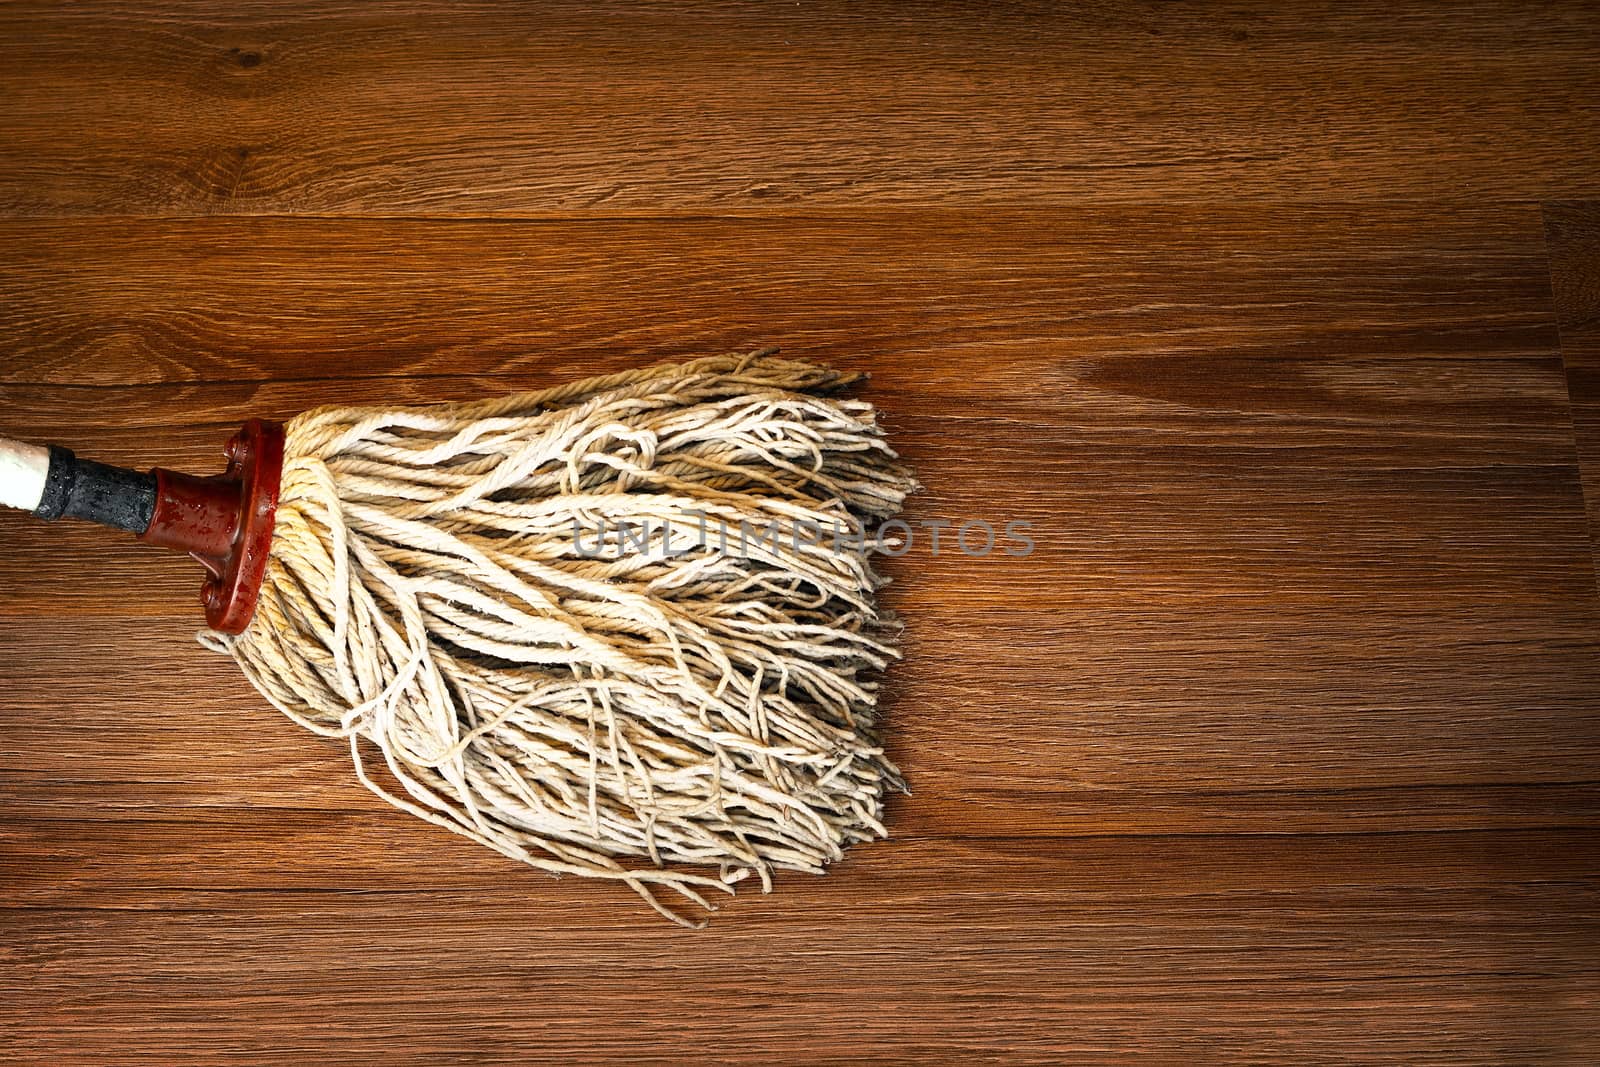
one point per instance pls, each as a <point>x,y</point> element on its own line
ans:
<point>24,468</point>
<point>224,521</point>
<point>52,482</point>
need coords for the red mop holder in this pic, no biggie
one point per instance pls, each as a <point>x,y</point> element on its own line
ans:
<point>225,521</point>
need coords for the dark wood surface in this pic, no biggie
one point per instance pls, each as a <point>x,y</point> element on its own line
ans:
<point>642,108</point>
<point>1279,329</point>
<point>1574,232</point>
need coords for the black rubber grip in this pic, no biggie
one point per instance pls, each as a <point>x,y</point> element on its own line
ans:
<point>84,489</point>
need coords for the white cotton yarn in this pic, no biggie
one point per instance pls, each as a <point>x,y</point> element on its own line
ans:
<point>453,590</point>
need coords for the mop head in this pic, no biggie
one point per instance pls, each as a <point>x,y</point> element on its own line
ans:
<point>614,629</point>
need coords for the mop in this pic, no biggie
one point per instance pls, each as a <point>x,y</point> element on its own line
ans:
<point>623,628</point>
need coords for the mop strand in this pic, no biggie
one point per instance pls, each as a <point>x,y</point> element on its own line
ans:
<point>460,591</point>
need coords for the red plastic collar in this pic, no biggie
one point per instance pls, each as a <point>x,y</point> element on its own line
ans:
<point>225,521</point>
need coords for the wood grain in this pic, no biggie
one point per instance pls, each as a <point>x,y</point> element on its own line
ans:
<point>1249,948</point>
<point>1281,744</point>
<point>1311,561</point>
<point>716,107</point>
<point>1574,232</point>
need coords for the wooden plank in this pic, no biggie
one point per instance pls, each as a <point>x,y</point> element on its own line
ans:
<point>1102,521</point>
<point>922,299</point>
<point>118,108</point>
<point>238,860</point>
<point>1245,949</point>
<point>1135,729</point>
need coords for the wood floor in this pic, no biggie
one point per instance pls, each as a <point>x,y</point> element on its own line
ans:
<point>1279,323</point>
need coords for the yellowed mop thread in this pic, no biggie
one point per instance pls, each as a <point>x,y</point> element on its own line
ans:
<point>622,715</point>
